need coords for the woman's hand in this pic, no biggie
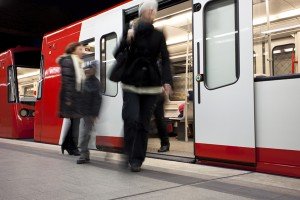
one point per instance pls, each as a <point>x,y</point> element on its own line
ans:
<point>130,35</point>
<point>168,89</point>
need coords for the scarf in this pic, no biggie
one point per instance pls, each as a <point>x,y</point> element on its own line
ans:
<point>79,72</point>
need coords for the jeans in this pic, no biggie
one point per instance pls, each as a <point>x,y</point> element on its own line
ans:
<point>87,131</point>
<point>136,113</point>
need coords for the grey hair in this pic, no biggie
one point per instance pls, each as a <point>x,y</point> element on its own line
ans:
<point>148,4</point>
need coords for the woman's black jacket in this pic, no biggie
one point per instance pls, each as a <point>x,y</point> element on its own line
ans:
<point>70,98</point>
<point>147,47</point>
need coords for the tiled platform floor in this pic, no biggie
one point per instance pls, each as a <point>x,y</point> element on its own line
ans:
<point>31,170</point>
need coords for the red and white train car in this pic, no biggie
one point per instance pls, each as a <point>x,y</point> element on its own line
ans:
<point>237,119</point>
<point>19,73</point>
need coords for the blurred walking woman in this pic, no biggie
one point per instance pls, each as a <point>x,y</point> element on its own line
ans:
<point>142,81</point>
<point>73,77</point>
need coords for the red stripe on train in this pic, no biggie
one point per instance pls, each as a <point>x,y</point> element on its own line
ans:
<point>278,156</point>
<point>222,152</point>
<point>278,161</point>
<point>108,141</point>
<point>272,161</point>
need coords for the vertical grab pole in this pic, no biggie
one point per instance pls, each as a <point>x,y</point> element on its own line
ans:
<point>269,38</point>
<point>186,86</point>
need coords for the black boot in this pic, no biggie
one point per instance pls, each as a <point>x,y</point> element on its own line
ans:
<point>134,167</point>
<point>84,158</point>
<point>76,152</point>
<point>70,152</point>
<point>164,148</point>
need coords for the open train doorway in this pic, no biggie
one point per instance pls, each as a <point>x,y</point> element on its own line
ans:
<point>175,20</point>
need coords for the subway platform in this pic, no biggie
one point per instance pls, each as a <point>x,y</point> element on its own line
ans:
<point>31,170</point>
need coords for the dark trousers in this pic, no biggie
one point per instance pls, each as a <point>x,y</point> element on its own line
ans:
<point>137,112</point>
<point>159,114</point>
<point>71,139</point>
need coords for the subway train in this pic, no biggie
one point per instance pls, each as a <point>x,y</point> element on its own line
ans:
<point>237,60</point>
<point>19,75</point>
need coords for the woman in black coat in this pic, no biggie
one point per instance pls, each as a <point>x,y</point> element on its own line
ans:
<point>73,77</point>
<point>142,81</point>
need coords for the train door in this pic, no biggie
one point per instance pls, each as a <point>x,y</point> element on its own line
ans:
<point>223,72</point>
<point>106,29</point>
<point>174,19</point>
<point>8,97</point>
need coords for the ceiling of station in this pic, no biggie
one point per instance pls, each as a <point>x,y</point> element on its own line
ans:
<point>26,21</point>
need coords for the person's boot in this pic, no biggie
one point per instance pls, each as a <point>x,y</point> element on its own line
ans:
<point>84,158</point>
<point>134,167</point>
<point>164,148</point>
<point>76,152</point>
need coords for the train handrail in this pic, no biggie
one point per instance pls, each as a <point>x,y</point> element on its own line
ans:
<point>274,78</point>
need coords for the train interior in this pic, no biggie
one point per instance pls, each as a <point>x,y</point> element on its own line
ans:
<point>27,83</point>
<point>281,37</point>
<point>176,23</point>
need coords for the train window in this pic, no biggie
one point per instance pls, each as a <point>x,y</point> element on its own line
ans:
<point>282,59</point>
<point>40,82</point>
<point>11,85</point>
<point>107,46</point>
<point>27,79</point>
<point>220,44</point>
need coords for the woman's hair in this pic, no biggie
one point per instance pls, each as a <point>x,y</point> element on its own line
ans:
<point>149,4</point>
<point>71,48</point>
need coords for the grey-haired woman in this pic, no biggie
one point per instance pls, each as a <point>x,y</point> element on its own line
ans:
<point>142,81</point>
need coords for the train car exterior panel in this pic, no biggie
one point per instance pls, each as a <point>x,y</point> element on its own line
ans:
<point>48,124</point>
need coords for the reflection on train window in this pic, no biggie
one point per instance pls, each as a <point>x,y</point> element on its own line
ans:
<point>221,44</point>
<point>107,46</point>
<point>28,83</point>
<point>283,59</point>
<point>11,85</point>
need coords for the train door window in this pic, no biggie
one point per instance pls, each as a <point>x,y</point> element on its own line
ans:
<point>89,51</point>
<point>27,66</point>
<point>221,44</point>
<point>11,85</point>
<point>107,46</point>
<point>282,59</point>
<point>40,82</point>
<point>28,79</point>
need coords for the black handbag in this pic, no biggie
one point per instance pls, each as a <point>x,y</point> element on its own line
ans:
<point>118,69</point>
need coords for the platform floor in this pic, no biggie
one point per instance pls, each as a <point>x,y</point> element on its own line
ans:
<point>31,170</point>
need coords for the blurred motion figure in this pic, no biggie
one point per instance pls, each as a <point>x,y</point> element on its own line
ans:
<point>90,109</point>
<point>72,77</point>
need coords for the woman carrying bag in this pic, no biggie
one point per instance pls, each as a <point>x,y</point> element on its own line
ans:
<point>73,76</point>
<point>142,81</point>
